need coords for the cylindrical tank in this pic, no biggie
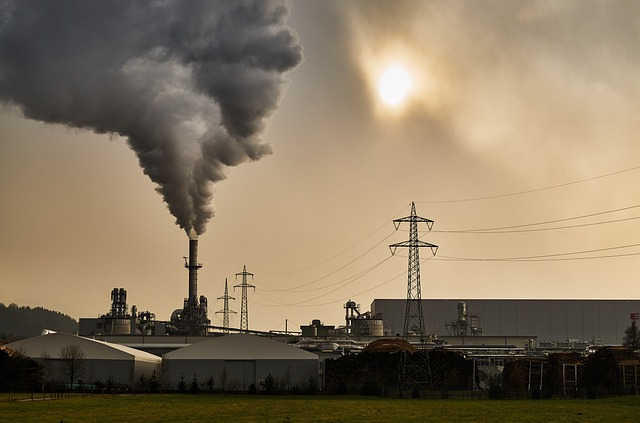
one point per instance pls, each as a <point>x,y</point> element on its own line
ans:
<point>368,327</point>
<point>117,326</point>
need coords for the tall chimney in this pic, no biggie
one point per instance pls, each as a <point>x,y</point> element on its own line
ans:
<point>193,267</point>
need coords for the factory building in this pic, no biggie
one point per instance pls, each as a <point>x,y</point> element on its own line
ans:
<point>359,324</point>
<point>552,322</point>
<point>241,361</point>
<point>316,329</point>
<point>190,320</point>
<point>101,361</point>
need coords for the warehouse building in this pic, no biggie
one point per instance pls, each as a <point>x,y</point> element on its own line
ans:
<point>550,321</point>
<point>97,361</point>
<point>235,362</point>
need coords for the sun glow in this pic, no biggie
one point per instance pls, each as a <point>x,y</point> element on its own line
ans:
<point>394,85</point>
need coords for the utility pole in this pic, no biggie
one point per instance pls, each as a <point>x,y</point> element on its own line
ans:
<point>244,312</point>
<point>415,368</point>
<point>225,309</point>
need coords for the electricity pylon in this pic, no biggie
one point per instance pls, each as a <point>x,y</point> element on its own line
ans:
<point>415,369</point>
<point>244,312</point>
<point>413,317</point>
<point>225,308</point>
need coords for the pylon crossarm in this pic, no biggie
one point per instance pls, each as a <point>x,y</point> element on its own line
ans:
<point>413,243</point>
<point>411,219</point>
<point>226,297</point>
<point>419,243</point>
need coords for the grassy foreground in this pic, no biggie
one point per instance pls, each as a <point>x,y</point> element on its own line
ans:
<point>245,408</point>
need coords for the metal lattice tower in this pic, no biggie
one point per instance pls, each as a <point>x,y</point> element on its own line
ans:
<point>413,318</point>
<point>244,312</point>
<point>415,371</point>
<point>225,309</point>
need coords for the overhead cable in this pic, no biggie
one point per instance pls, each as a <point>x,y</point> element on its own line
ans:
<point>500,229</point>
<point>490,197</point>
<point>545,257</point>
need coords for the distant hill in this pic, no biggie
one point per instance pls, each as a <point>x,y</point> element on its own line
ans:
<point>24,322</point>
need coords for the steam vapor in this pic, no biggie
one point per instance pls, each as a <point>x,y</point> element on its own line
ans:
<point>189,84</point>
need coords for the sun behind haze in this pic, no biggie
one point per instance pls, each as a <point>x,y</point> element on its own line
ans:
<point>394,85</point>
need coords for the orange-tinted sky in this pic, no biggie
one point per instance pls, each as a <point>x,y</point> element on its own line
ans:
<point>507,98</point>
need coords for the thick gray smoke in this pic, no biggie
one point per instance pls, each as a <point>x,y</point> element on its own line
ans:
<point>188,83</point>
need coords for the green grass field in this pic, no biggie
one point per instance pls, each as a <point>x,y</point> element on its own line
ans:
<point>246,408</point>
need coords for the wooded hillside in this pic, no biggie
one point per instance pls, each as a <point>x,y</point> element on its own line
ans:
<point>24,322</point>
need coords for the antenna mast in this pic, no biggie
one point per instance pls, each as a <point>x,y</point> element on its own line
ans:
<point>225,309</point>
<point>244,312</point>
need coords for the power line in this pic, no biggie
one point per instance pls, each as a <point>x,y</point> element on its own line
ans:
<point>504,228</point>
<point>478,231</point>
<point>491,197</point>
<point>335,255</point>
<point>300,303</point>
<point>404,273</point>
<point>335,271</point>
<point>350,278</point>
<point>295,289</point>
<point>544,257</point>
<point>585,258</point>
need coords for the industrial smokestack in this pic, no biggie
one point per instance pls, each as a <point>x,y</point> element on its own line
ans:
<point>193,267</point>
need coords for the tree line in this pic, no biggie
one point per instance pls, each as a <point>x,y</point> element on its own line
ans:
<point>24,322</point>
<point>608,371</point>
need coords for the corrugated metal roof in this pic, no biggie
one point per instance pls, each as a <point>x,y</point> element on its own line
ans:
<point>50,345</point>
<point>240,347</point>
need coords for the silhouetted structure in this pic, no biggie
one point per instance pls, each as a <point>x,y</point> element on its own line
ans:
<point>244,311</point>
<point>225,308</point>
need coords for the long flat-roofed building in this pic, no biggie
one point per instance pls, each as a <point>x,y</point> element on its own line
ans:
<point>548,320</point>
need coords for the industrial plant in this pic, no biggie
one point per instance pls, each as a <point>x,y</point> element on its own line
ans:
<point>491,332</point>
<point>523,324</point>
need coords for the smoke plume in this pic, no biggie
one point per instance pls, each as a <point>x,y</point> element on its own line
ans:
<point>189,84</point>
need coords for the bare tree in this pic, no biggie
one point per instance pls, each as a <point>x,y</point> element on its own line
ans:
<point>162,373</point>
<point>224,378</point>
<point>72,363</point>
<point>632,336</point>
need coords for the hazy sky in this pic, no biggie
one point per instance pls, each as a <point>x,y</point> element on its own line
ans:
<point>518,113</point>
